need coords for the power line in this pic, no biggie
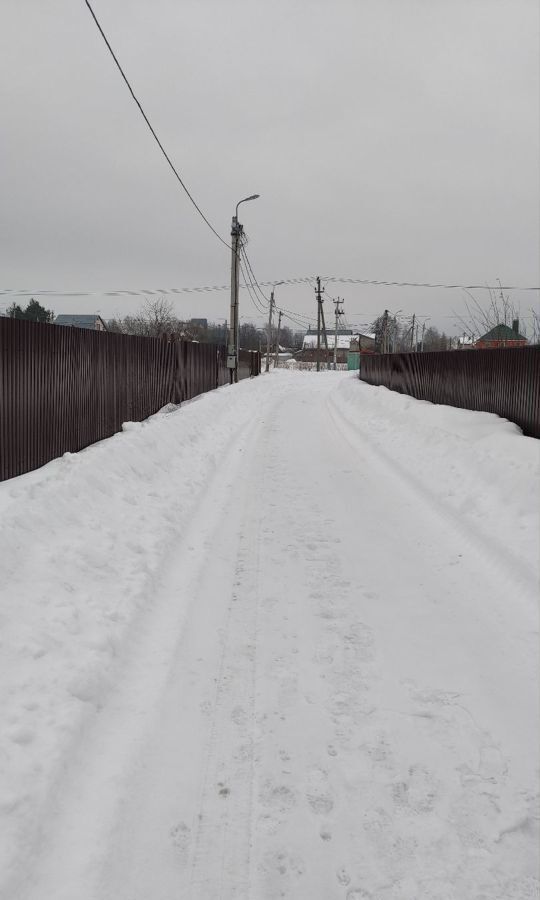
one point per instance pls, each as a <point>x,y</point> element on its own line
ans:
<point>461,287</point>
<point>254,281</point>
<point>19,292</point>
<point>255,285</point>
<point>283,309</point>
<point>265,302</point>
<point>146,119</point>
<point>252,296</point>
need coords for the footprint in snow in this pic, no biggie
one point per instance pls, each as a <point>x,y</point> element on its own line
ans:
<point>318,794</point>
<point>277,796</point>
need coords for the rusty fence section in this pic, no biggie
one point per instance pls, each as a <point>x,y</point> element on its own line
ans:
<point>503,381</point>
<point>62,389</point>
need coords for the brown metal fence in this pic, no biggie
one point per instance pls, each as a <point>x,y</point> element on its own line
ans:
<point>504,381</point>
<point>62,388</point>
<point>249,363</point>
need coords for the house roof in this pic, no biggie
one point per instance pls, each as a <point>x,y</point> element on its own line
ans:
<point>79,321</point>
<point>343,340</point>
<point>502,333</point>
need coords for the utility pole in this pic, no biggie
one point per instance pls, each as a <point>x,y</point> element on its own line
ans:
<point>319,292</point>
<point>337,312</point>
<point>236,245</point>
<point>232,350</point>
<point>267,368</point>
<point>276,357</point>
<point>412,331</point>
<point>422,341</point>
<point>325,336</point>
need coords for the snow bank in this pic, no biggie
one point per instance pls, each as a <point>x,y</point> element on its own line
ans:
<point>475,465</point>
<point>83,540</point>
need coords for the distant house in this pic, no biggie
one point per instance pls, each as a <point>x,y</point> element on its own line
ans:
<point>344,340</point>
<point>347,342</point>
<point>464,342</point>
<point>502,336</point>
<point>91,322</point>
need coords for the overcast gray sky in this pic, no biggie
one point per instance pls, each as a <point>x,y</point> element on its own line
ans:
<point>389,139</point>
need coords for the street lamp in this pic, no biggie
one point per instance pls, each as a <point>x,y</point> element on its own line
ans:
<point>236,243</point>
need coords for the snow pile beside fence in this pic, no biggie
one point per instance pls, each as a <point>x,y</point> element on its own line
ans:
<point>83,542</point>
<point>475,464</point>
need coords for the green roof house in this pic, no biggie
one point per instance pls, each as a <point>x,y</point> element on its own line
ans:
<point>502,336</point>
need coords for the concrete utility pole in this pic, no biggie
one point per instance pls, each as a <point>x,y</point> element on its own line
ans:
<point>318,293</point>
<point>276,357</point>
<point>236,246</point>
<point>267,367</point>
<point>232,350</point>
<point>325,336</point>
<point>337,312</point>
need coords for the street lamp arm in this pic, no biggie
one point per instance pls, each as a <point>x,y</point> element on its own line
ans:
<point>252,197</point>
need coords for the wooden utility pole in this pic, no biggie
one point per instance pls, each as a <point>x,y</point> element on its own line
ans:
<point>320,321</point>
<point>276,357</point>
<point>267,367</point>
<point>337,312</point>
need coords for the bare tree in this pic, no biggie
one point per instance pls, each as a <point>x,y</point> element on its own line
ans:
<point>158,317</point>
<point>499,309</point>
<point>535,315</point>
<point>155,319</point>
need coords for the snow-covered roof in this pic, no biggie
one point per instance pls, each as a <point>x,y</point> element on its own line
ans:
<point>343,341</point>
<point>78,321</point>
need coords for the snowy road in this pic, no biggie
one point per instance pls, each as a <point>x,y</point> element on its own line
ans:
<point>320,678</point>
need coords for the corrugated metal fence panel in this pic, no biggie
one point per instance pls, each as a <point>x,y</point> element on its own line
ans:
<point>505,381</point>
<point>62,389</point>
<point>249,363</point>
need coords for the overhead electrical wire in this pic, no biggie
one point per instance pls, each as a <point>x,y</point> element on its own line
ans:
<point>19,292</point>
<point>287,313</point>
<point>462,287</point>
<point>262,299</point>
<point>253,277</point>
<point>251,293</point>
<point>146,119</point>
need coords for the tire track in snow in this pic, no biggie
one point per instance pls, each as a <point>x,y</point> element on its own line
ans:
<point>87,817</point>
<point>221,857</point>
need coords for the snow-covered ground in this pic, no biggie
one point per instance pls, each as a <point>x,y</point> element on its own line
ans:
<point>281,642</point>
